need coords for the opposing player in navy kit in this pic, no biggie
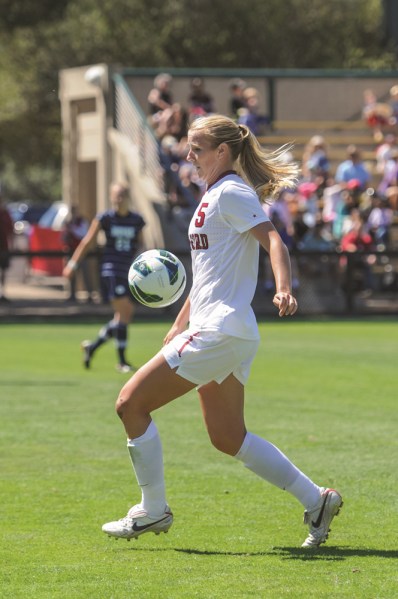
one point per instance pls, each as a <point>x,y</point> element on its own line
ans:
<point>214,338</point>
<point>123,234</point>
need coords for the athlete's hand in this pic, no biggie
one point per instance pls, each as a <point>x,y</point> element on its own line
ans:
<point>173,332</point>
<point>286,303</point>
<point>68,272</point>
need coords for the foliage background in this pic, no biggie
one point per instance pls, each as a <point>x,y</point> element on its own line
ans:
<point>39,39</point>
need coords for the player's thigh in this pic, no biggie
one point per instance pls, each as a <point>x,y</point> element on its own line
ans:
<point>154,385</point>
<point>223,412</point>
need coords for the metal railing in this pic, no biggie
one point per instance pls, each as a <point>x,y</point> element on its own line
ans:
<point>326,283</point>
<point>130,120</point>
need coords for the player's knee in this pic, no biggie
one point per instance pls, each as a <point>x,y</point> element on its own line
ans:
<point>123,403</point>
<point>130,405</point>
<point>223,444</point>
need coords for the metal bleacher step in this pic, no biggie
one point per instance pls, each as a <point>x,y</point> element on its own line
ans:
<point>331,140</point>
<point>318,126</point>
<point>338,135</point>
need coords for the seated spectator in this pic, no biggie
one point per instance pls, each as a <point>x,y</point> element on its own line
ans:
<point>318,239</point>
<point>279,212</point>
<point>160,97</point>
<point>250,115</point>
<point>358,240</point>
<point>376,114</point>
<point>379,221</point>
<point>281,219</point>
<point>200,102</point>
<point>383,153</point>
<point>350,199</point>
<point>237,100</point>
<point>315,163</point>
<point>394,105</point>
<point>389,184</point>
<point>172,121</point>
<point>308,193</point>
<point>331,199</point>
<point>190,180</point>
<point>353,168</point>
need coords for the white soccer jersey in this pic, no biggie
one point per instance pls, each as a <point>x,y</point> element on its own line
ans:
<point>225,258</point>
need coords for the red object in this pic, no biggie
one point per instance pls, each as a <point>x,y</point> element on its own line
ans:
<point>43,239</point>
<point>353,184</point>
<point>307,189</point>
<point>356,239</point>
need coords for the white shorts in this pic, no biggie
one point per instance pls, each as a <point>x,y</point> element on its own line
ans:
<point>205,356</point>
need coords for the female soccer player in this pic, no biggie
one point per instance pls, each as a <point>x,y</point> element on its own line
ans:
<point>123,235</point>
<point>215,337</point>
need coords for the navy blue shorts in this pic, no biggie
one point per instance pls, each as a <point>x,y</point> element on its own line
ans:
<point>114,287</point>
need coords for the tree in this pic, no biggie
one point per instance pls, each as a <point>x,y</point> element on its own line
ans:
<point>39,39</point>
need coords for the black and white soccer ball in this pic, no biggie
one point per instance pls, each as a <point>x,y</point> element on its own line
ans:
<point>157,278</point>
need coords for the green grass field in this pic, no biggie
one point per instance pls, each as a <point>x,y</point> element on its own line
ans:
<point>324,392</point>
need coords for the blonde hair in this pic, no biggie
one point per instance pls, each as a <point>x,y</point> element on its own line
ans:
<point>267,172</point>
<point>394,90</point>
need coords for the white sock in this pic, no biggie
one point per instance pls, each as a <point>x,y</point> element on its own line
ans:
<point>147,459</point>
<point>267,461</point>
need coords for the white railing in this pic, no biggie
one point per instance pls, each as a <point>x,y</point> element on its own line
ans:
<point>131,121</point>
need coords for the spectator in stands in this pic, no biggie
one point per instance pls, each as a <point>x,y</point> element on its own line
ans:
<point>237,100</point>
<point>173,122</point>
<point>383,153</point>
<point>74,230</point>
<point>389,184</point>
<point>331,199</point>
<point>6,237</point>
<point>200,102</point>
<point>123,233</point>
<point>353,168</point>
<point>376,114</point>
<point>318,238</point>
<point>281,215</point>
<point>350,200</point>
<point>379,221</point>
<point>309,199</point>
<point>394,105</point>
<point>315,162</point>
<point>250,115</point>
<point>358,240</point>
<point>160,97</point>
<point>190,179</point>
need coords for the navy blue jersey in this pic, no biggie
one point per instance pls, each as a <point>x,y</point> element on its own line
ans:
<point>121,234</point>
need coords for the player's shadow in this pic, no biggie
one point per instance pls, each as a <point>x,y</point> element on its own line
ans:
<point>331,553</point>
<point>292,553</point>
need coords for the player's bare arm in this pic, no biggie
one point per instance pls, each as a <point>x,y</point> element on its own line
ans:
<point>271,241</point>
<point>82,249</point>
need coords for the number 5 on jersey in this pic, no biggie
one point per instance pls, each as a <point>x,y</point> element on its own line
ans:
<point>200,220</point>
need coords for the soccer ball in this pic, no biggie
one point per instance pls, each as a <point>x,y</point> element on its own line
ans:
<point>157,278</point>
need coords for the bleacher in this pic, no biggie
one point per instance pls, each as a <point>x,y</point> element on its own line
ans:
<point>338,135</point>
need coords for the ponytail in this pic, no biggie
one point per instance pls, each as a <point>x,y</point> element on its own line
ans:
<point>267,172</point>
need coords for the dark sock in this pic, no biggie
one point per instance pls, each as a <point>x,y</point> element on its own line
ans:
<point>121,341</point>
<point>106,333</point>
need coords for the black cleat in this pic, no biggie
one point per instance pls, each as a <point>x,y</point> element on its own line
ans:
<point>87,353</point>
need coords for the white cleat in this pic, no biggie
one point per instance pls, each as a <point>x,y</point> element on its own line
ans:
<point>125,368</point>
<point>138,522</point>
<point>321,516</point>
